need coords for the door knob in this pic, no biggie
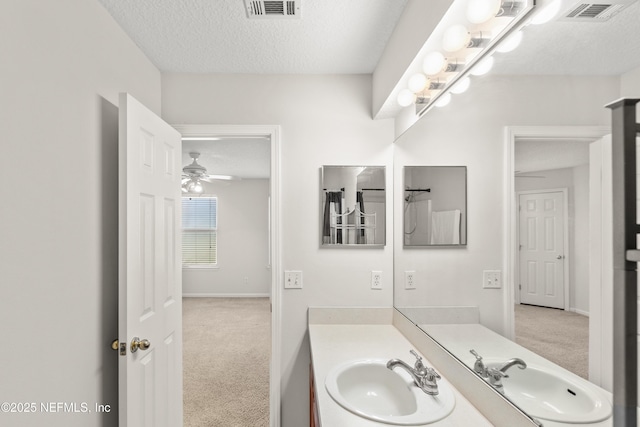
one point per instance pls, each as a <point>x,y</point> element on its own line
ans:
<point>137,343</point>
<point>559,257</point>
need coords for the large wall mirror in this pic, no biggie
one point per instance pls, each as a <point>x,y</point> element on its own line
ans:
<point>475,299</point>
<point>352,206</point>
<point>435,206</point>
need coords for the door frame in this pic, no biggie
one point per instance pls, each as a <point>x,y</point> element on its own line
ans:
<point>510,242</point>
<point>565,241</point>
<point>273,131</point>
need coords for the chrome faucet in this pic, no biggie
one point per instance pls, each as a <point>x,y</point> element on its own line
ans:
<point>496,375</point>
<point>512,362</point>
<point>479,367</point>
<point>425,378</point>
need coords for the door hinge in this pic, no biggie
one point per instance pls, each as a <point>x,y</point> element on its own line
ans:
<point>519,287</point>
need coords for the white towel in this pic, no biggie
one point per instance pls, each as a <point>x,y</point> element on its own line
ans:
<point>445,227</point>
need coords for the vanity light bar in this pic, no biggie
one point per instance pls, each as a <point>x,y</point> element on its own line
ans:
<point>453,50</point>
<point>519,11</point>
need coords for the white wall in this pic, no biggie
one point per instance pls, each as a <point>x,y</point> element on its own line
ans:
<point>63,64</point>
<point>243,243</point>
<point>470,131</point>
<point>576,180</point>
<point>325,120</point>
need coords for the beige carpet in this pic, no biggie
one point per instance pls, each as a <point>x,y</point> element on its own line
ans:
<point>227,348</point>
<point>558,335</point>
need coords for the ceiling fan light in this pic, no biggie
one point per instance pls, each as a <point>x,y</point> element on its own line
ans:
<point>480,11</point>
<point>455,38</point>
<point>197,187</point>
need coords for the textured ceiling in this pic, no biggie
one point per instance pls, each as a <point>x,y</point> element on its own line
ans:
<point>344,37</point>
<point>577,48</point>
<point>545,154</point>
<point>215,36</point>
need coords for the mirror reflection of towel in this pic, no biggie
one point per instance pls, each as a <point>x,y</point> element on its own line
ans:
<point>445,227</point>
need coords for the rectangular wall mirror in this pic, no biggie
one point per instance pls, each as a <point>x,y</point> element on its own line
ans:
<point>352,206</point>
<point>435,206</point>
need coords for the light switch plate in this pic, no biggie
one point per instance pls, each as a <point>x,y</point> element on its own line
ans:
<point>293,279</point>
<point>492,279</point>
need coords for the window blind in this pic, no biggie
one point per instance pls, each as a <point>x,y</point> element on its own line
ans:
<point>199,231</point>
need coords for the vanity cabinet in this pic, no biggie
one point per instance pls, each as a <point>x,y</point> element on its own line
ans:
<point>313,405</point>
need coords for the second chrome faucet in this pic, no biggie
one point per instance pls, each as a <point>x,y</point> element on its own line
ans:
<point>495,374</point>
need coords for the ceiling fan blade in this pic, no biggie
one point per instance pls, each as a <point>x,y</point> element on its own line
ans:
<point>223,177</point>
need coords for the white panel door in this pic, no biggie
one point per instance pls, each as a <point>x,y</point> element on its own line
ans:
<point>541,222</point>
<point>150,289</point>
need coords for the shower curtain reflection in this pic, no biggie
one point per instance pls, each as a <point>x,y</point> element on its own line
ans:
<point>331,234</point>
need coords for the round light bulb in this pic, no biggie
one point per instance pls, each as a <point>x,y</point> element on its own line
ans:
<point>547,12</point>
<point>510,43</point>
<point>461,86</point>
<point>406,98</point>
<point>482,67</point>
<point>455,38</point>
<point>434,63</point>
<point>197,187</point>
<point>479,11</point>
<point>418,82</point>
<point>443,100</point>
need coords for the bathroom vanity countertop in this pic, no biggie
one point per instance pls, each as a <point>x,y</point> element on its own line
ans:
<point>333,344</point>
<point>461,338</point>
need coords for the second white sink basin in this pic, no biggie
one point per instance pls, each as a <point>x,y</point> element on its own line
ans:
<point>367,388</point>
<point>555,396</point>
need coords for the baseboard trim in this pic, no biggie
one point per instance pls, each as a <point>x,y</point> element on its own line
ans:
<point>213,295</point>
<point>578,311</point>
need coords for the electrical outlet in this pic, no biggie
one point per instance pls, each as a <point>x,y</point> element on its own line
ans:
<point>293,279</point>
<point>376,280</point>
<point>491,279</point>
<point>409,279</point>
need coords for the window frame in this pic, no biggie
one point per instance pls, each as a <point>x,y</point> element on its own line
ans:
<point>215,229</point>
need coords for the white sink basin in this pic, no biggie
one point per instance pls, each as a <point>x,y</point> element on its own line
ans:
<point>555,396</point>
<point>367,388</point>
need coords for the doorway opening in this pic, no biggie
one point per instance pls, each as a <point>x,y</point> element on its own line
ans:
<point>234,297</point>
<point>547,252</point>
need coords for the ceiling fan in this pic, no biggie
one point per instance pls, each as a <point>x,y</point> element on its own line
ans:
<point>518,174</point>
<point>194,174</point>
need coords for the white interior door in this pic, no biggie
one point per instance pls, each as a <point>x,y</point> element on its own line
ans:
<point>150,289</point>
<point>542,252</point>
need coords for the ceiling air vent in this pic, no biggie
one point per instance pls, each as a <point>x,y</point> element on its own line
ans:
<point>594,12</point>
<point>272,9</point>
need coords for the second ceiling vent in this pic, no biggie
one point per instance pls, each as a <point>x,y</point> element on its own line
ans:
<point>595,12</point>
<point>272,9</point>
